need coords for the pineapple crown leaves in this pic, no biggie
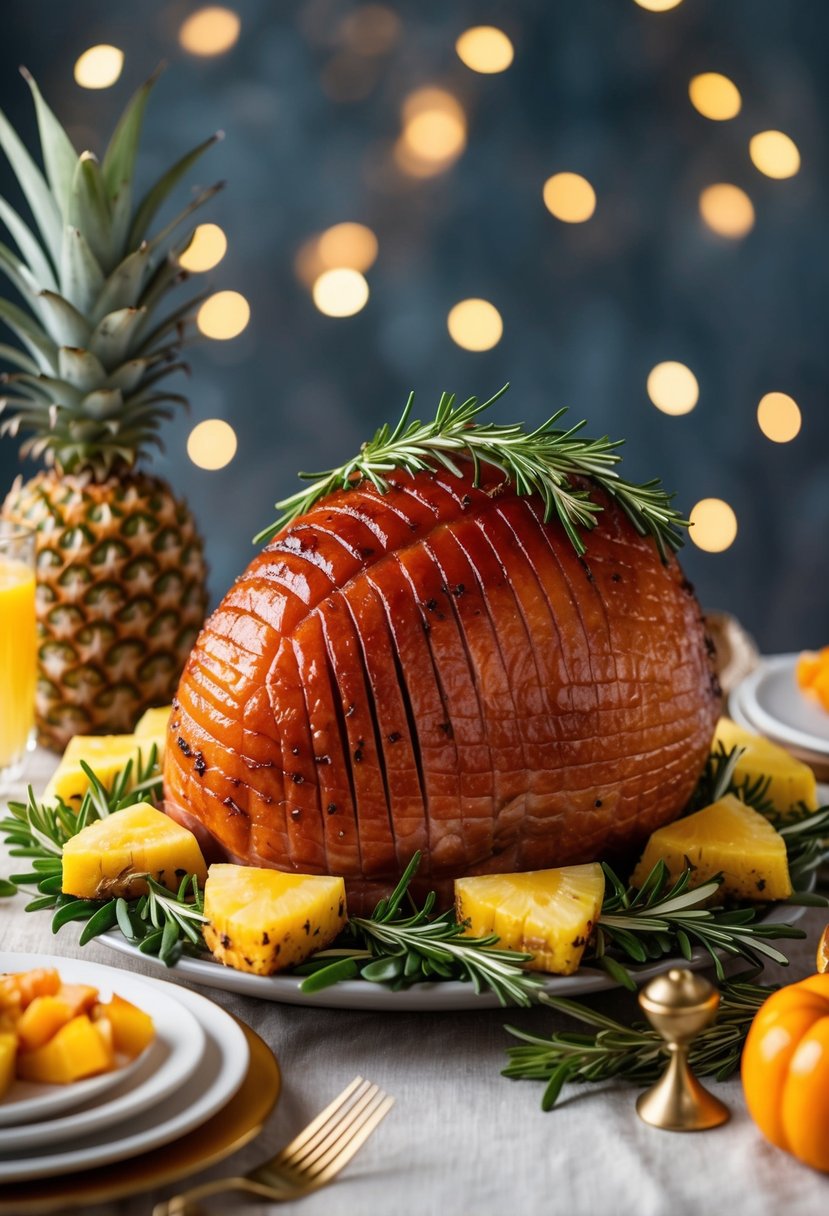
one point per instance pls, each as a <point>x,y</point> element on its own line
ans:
<point>88,386</point>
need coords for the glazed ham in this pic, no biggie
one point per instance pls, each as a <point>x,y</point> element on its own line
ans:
<point>436,669</point>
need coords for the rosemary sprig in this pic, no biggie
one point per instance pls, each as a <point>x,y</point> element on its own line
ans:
<point>7,888</point>
<point>662,918</point>
<point>634,1053</point>
<point>158,923</point>
<point>399,950</point>
<point>544,461</point>
<point>398,947</point>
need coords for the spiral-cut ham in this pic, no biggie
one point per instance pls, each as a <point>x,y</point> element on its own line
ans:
<point>436,669</point>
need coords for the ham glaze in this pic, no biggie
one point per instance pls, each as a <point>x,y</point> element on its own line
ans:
<point>437,669</point>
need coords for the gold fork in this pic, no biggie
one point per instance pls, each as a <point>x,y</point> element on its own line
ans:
<point>311,1160</point>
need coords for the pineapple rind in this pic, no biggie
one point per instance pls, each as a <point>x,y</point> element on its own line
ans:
<point>792,782</point>
<point>727,838</point>
<point>264,921</point>
<point>121,576</point>
<point>101,861</point>
<point>121,597</point>
<point>547,913</point>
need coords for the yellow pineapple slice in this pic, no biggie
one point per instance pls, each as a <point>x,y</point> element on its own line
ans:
<point>547,913</point>
<point>8,1058</point>
<point>153,725</point>
<point>791,780</point>
<point>727,838</point>
<point>106,755</point>
<point>264,921</point>
<point>103,859</point>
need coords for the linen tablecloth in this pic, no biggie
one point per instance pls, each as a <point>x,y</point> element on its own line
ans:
<point>462,1140</point>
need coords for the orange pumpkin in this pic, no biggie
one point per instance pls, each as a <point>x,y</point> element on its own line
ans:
<point>785,1070</point>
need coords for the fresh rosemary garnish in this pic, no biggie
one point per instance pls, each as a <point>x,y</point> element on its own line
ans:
<point>544,462</point>
<point>664,918</point>
<point>158,923</point>
<point>717,779</point>
<point>7,889</point>
<point>398,950</point>
<point>633,1053</point>
<point>402,945</point>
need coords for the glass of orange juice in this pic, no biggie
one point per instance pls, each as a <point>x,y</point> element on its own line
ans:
<point>18,648</point>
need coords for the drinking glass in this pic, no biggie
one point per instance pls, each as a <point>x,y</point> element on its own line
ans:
<point>18,648</point>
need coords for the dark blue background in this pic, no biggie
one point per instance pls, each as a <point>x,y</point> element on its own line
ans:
<point>597,87</point>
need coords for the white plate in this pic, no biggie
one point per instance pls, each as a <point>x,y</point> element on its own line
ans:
<point>221,1071</point>
<point>422,998</point>
<point>169,1061</point>
<point>771,700</point>
<point>27,1101</point>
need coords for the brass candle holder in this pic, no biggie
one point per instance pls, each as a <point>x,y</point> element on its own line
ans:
<point>679,1005</point>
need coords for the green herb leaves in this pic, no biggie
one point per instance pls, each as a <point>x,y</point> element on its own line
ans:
<point>663,918</point>
<point>634,1053</point>
<point>544,462</point>
<point>400,949</point>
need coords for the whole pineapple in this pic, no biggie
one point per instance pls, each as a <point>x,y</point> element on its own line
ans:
<point>120,570</point>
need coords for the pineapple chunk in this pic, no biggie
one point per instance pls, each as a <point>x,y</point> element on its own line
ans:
<point>264,921</point>
<point>547,913</point>
<point>76,1051</point>
<point>791,781</point>
<point>153,725</point>
<point>727,838</point>
<point>103,859</point>
<point>8,1059</point>
<point>106,755</point>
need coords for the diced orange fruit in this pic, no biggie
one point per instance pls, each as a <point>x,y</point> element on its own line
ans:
<point>79,997</point>
<point>20,989</point>
<point>132,1028</point>
<point>812,672</point>
<point>8,1052</point>
<point>41,1020</point>
<point>78,1050</point>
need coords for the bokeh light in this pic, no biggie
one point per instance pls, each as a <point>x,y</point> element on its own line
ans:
<point>673,388</point>
<point>727,210</point>
<point>569,197</point>
<point>658,6</point>
<point>210,31</point>
<point>99,67</point>
<point>714,525</point>
<point>778,416</point>
<point>485,49</point>
<point>347,244</point>
<point>715,96</point>
<point>212,444</point>
<point>371,29</point>
<point>206,250</point>
<point>223,315</point>
<point>340,293</point>
<point>475,324</point>
<point>434,132</point>
<point>775,154</point>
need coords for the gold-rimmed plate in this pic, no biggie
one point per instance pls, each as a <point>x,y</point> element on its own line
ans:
<point>229,1130</point>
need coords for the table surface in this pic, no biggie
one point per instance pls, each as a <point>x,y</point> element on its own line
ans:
<point>462,1139</point>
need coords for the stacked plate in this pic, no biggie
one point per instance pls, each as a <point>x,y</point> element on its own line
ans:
<point>198,1062</point>
<point>770,703</point>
